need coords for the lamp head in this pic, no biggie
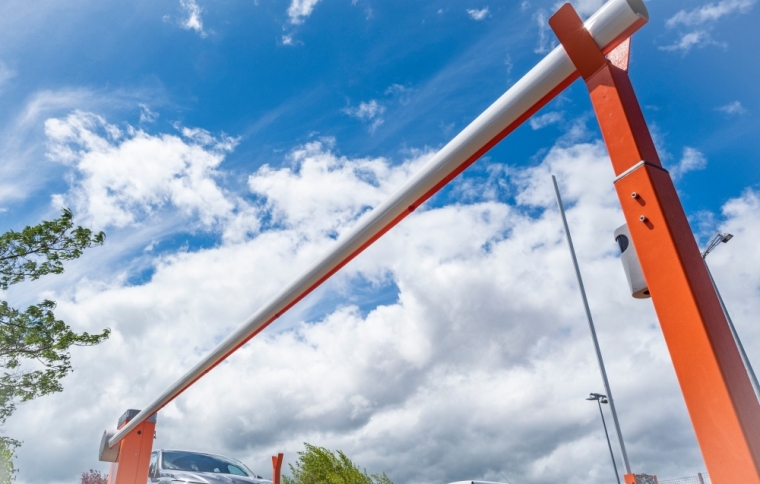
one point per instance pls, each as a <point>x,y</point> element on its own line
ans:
<point>726,237</point>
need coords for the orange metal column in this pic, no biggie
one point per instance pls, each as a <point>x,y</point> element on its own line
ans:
<point>722,405</point>
<point>134,452</point>
<point>276,468</point>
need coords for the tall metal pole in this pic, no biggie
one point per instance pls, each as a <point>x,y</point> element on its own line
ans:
<point>599,398</point>
<point>747,364</point>
<point>593,330</point>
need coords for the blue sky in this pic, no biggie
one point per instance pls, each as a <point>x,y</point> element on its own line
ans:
<point>199,134</point>
<point>430,68</point>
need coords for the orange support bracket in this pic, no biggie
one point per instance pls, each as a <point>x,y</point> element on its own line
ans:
<point>719,397</point>
<point>133,458</point>
<point>276,468</point>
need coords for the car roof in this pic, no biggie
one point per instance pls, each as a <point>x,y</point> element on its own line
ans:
<point>197,452</point>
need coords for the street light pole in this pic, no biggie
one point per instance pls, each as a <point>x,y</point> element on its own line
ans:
<point>600,399</point>
<point>716,241</point>
<point>598,350</point>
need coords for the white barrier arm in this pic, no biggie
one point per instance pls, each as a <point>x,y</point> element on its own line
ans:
<point>612,23</point>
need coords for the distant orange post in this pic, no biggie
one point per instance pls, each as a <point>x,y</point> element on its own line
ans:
<point>276,468</point>
<point>134,452</point>
<point>722,404</point>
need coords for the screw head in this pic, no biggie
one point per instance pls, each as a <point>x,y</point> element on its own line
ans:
<point>643,218</point>
<point>634,195</point>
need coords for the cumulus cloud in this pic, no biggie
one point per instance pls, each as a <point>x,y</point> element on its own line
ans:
<point>321,186</point>
<point>123,175</point>
<point>299,10</point>
<point>477,365</point>
<point>733,108</point>
<point>476,14</point>
<point>696,25</point>
<point>691,160</point>
<point>193,20</point>
<point>370,112</point>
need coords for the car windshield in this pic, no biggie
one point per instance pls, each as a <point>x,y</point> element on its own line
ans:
<point>190,461</point>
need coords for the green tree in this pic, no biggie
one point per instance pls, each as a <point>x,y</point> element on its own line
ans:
<point>317,465</point>
<point>34,345</point>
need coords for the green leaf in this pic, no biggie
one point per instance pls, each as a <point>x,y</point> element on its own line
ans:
<point>41,249</point>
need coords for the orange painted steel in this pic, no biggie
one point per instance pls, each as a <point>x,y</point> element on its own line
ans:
<point>722,405</point>
<point>134,455</point>
<point>276,468</point>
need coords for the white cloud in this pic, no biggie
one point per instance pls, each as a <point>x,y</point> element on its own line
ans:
<point>546,40</point>
<point>299,10</point>
<point>366,110</point>
<point>584,7</point>
<point>733,108</point>
<point>6,73</point>
<point>146,115</point>
<point>544,120</point>
<point>325,192</point>
<point>701,21</point>
<point>288,40</point>
<point>691,160</point>
<point>193,21</point>
<point>122,176</point>
<point>476,14</point>
<point>478,367</point>
<point>697,38</point>
<point>396,89</point>
<point>709,13</point>
<point>370,112</point>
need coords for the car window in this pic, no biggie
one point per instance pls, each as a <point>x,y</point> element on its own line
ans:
<point>233,469</point>
<point>190,461</point>
<point>153,463</point>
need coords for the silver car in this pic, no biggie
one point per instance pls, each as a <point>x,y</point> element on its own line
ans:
<point>183,467</point>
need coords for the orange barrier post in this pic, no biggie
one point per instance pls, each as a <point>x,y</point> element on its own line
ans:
<point>722,404</point>
<point>276,468</point>
<point>134,452</point>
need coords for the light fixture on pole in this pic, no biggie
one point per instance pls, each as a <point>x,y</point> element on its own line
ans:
<point>591,327</point>
<point>600,399</point>
<point>715,242</point>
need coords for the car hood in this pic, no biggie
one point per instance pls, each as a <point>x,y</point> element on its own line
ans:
<point>213,478</point>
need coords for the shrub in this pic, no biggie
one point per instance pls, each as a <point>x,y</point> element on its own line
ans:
<point>94,477</point>
<point>317,465</point>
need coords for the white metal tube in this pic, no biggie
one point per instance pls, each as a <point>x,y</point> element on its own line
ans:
<point>611,24</point>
